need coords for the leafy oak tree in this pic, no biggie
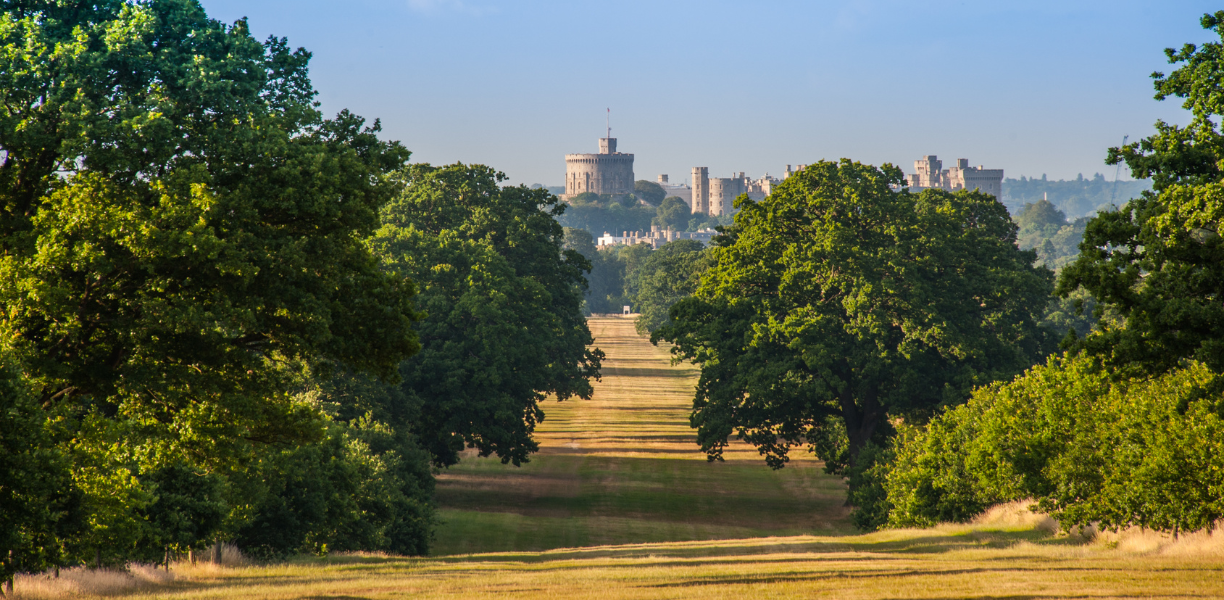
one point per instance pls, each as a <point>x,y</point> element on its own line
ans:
<point>178,223</point>
<point>504,327</point>
<point>1158,262</point>
<point>837,304</point>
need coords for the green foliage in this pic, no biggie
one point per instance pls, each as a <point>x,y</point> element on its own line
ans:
<point>1045,228</point>
<point>1126,432</point>
<point>663,278</point>
<point>1087,447</point>
<point>38,505</point>
<point>701,221</point>
<point>365,487</point>
<point>1079,197</point>
<point>1074,315</point>
<point>1041,214</point>
<point>605,291</point>
<point>580,241</point>
<point>650,192</point>
<point>601,214</point>
<point>1159,261</point>
<point>178,225</point>
<point>188,506</point>
<point>504,327</point>
<point>208,227</point>
<point>837,299</point>
<point>673,212</point>
<point>606,283</point>
<point>867,494</point>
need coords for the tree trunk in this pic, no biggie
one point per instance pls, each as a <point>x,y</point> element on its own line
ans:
<point>167,558</point>
<point>862,416</point>
<point>97,558</point>
<point>191,555</point>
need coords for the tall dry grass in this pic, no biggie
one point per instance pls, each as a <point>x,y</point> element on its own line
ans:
<point>1132,540</point>
<point>80,582</point>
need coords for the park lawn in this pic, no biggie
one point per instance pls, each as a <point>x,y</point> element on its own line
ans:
<point>981,561</point>
<point>620,503</point>
<point>624,467</point>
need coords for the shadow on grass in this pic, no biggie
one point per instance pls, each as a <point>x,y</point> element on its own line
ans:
<point>850,543</point>
<point>870,574</point>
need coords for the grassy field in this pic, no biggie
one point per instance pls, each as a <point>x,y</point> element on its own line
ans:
<point>620,504</point>
<point>624,467</point>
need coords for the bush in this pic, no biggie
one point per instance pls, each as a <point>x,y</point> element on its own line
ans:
<point>365,487</point>
<point>1142,452</point>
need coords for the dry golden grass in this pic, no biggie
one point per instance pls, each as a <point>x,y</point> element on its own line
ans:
<point>1006,555</point>
<point>624,467</point>
<point>620,504</point>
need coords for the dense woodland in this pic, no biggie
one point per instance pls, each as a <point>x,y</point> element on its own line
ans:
<point>226,317</point>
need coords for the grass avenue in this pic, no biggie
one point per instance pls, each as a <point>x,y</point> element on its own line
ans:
<point>620,504</point>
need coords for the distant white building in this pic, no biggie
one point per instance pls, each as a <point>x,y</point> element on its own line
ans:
<point>656,237</point>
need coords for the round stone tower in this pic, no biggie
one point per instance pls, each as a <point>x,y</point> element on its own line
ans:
<point>609,172</point>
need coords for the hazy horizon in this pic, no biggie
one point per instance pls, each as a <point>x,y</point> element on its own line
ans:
<point>1030,87</point>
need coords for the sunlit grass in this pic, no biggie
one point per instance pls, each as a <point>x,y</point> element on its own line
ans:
<point>624,467</point>
<point>987,560</point>
<point>621,504</point>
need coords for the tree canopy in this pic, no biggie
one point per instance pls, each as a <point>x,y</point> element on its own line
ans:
<point>838,303</point>
<point>181,240</point>
<point>503,326</point>
<point>1159,261</point>
<point>665,277</point>
<point>176,214</point>
<point>650,192</point>
<point>673,212</point>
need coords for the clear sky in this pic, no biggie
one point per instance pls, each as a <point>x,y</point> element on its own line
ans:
<point>1031,86</point>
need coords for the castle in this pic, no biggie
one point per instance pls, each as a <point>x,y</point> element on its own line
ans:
<point>930,174</point>
<point>609,172</point>
<point>714,196</point>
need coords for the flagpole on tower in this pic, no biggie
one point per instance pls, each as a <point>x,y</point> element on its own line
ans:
<point>609,123</point>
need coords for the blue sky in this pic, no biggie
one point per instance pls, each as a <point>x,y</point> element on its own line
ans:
<point>1031,86</point>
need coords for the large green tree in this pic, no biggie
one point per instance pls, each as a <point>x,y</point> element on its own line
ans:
<point>178,223</point>
<point>1159,261</point>
<point>504,327</point>
<point>837,304</point>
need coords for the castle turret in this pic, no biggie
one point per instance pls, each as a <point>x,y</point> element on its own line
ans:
<point>701,190</point>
